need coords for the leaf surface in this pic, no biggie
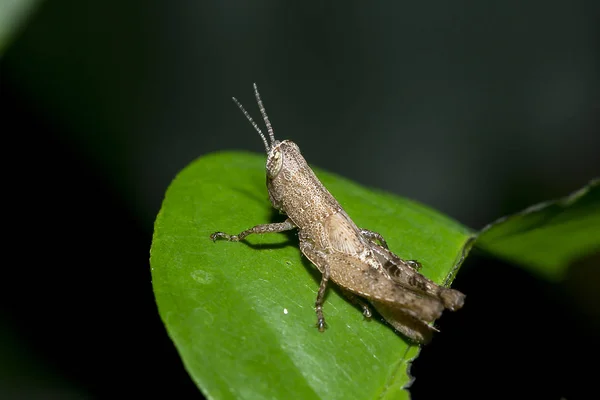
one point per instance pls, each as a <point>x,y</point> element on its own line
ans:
<point>12,15</point>
<point>547,237</point>
<point>242,314</point>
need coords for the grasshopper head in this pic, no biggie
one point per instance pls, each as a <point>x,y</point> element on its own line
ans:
<point>281,156</point>
<point>277,152</point>
<point>275,158</point>
<point>285,169</point>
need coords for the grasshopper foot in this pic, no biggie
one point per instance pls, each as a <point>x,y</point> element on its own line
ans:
<point>367,312</point>
<point>320,319</point>
<point>414,264</point>
<point>321,325</point>
<point>223,235</point>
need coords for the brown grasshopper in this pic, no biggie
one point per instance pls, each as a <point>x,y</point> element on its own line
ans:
<point>357,260</point>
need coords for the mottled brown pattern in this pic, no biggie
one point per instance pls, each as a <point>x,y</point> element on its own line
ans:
<point>357,260</point>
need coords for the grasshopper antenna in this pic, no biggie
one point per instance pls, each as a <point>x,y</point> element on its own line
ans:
<point>264,114</point>
<point>267,147</point>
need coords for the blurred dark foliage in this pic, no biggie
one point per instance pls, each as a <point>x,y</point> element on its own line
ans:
<point>78,294</point>
<point>476,109</point>
<point>517,337</point>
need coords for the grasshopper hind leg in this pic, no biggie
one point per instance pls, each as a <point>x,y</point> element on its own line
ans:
<point>412,328</point>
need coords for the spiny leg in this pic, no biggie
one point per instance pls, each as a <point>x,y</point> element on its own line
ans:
<point>320,297</point>
<point>264,228</point>
<point>413,280</point>
<point>354,299</point>
<point>317,258</point>
<point>374,236</point>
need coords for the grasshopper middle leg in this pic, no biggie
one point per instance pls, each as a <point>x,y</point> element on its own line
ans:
<point>356,300</point>
<point>374,236</point>
<point>317,258</point>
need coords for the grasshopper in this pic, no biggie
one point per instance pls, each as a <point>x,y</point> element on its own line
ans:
<point>357,260</point>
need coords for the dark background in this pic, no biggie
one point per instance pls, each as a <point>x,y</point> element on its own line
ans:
<point>474,108</point>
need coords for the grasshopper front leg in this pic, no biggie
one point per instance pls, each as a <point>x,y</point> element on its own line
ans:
<point>264,228</point>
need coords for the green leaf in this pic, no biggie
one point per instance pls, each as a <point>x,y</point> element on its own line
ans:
<point>12,15</point>
<point>547,237</point>
<point>242,314</point>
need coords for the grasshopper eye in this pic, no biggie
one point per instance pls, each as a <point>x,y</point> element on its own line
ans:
<point>274,163</point>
